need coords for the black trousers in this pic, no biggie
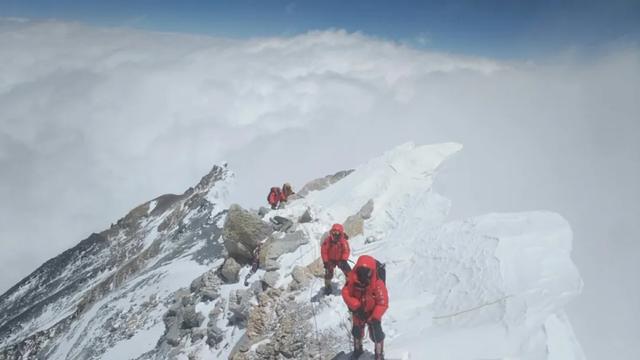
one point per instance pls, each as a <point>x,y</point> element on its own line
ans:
<point>375,330</point>
<point>343,265</point>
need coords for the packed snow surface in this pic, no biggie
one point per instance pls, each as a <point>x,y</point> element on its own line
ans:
<point>488,287</point>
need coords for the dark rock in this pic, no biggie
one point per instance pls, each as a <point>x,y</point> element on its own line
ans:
<point>354,226</point>
<point>271,278</point>
<point>321,183</point>
<point>242,232</point>
<point>191,318</point>
<point>186,300</point>
<point>209,295</point>
<point>239,306</point>
<point>230,270</point>
<point>163,203</point>
<point>172,336</point>
<point>208,181</point>
<point>281,223</point>
<point>171,313</point>
<point>366,210</point>
<point>242,346</point>
<point>316,268</point>
<point>301,277</point>
<point>277,246</point>
<point>214,335</point>
<point>208,280</point>
<point>206,286</point>
<point>178,296</point>
<point>306,217</point>
<point>264,351</point>
<point>198,334</point>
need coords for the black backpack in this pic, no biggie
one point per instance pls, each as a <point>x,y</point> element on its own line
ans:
<point>381,271</point>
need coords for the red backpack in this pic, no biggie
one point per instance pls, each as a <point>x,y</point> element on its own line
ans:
<point>274,196</point>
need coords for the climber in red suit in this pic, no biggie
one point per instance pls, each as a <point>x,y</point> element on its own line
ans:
<point>365,294</point>
<point>335,252</point>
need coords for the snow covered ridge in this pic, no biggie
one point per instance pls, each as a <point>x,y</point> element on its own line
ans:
<point>489,287</point>
<point>162,283</point>
<point>113,284</point>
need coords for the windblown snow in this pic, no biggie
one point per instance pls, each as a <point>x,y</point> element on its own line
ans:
<point>488,287</point>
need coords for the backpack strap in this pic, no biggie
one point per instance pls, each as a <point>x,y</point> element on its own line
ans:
<point>381,271</point>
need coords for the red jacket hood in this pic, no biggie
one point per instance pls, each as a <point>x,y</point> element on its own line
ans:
<point>337,227</point>
<point>368,262</point>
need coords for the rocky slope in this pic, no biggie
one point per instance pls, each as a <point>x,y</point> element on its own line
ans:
<point>117,283</point>
<point>166,281</point>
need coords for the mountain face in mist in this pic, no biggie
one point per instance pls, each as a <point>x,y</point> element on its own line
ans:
<point>166,281</point>
<point>114,283</point>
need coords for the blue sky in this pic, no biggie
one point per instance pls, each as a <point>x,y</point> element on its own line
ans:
<point>511,29</point>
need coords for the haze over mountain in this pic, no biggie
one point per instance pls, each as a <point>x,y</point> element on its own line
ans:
<point>96,120</point>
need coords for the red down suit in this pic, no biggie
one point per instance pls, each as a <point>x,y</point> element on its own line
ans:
<point>371,299</point>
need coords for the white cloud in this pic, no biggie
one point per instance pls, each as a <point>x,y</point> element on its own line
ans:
<point>94,121</point>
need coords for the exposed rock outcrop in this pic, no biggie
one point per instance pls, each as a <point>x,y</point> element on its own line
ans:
<point>281,223</point>
<point>215,335</point>
<point>239,306</point>
<point>366,210</point>
<point>207,286</point>
<point>354,224</point>
<point>302,276</point>
<point>316,268</point>
<point>190,318</point>
<point>321,183</point>
<point>271,278</point>
<point>180,318</point>
<point>262,211</point>
<point>280,325</point>
<point>229,270</point>
<point>277,246</point>
<point>242,232</point>
<point>305,217</point>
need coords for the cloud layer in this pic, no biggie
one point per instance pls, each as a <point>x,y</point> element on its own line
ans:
<point>94,121</point>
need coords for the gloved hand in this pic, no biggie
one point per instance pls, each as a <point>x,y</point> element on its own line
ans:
<point>360,314</point>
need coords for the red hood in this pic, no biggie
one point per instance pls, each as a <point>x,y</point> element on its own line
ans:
<point>368,262</point>
<point>337,227</point>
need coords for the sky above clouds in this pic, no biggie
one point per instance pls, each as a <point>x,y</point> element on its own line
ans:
<point>96,119</point>
<point>512,29</point>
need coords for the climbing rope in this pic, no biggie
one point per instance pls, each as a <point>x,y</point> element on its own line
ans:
<point>315,320</point>
<point>471,309</point>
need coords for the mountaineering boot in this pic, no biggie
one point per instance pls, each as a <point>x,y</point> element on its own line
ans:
<point>328,288</point>
<point>379,350</point>
<point>357,348</point>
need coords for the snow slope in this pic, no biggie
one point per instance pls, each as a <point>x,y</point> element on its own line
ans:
<point>94,299</point>
<point>488,287</point>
